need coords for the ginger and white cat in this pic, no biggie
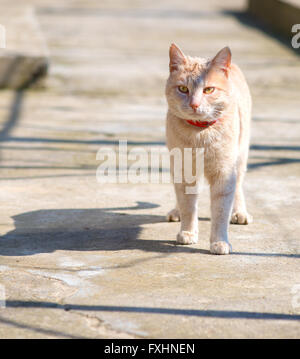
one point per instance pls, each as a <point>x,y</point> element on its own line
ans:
<point>209,106</point>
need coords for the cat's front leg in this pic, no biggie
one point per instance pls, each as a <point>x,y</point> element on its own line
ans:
<point>188,211</point>
<point>221,196</point>
<point>239,213</point>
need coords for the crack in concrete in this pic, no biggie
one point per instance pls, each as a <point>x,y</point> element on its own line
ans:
<point>103,328</point>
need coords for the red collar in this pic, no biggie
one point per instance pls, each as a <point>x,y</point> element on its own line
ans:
<point>203,124</point>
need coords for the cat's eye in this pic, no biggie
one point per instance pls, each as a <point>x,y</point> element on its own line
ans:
<point>208,90</point>
<point>183,89</point>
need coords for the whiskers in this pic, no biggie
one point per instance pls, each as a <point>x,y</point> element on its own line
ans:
<point>219,107</point>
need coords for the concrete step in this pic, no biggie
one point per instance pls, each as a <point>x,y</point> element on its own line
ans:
<point>278,15</point>
<point>23,49</point>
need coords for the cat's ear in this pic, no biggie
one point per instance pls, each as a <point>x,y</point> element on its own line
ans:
<point>222,60</point>
<point>177,57</point>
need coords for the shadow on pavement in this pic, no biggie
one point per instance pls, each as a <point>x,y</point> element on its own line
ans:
<point>247,20</point>
<point>13,117</point>
<point>107,229</point>
<point>153,310</point>
<point>271,161</point>
<point>48,332</point>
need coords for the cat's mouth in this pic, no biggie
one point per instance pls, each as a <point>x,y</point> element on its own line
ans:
<point>200,114</point>
<point>199,117</point>
<point>196,116</point>
<point>199,121</point>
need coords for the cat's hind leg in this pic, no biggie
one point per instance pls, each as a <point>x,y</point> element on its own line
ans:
<point>173,215</point>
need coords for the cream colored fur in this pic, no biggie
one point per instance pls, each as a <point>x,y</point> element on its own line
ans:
<point>225,143</point>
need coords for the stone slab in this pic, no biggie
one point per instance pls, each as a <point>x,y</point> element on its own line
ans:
<point>23,51</point>
<point>279,15</point>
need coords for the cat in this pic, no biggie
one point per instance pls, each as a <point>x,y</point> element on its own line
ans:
<point>209,107</point>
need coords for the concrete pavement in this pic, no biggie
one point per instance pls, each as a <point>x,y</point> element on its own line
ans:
<point>83,259</point>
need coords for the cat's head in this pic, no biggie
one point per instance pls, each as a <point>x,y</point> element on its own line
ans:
<point>198,89</point>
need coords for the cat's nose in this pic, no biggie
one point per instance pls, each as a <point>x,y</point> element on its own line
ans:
<point>194,105</point>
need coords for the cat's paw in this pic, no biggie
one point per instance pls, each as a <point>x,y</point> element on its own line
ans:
<point>185,237</point>
<point>241,218</point>
<point>220,247</point>
<point>173,216</point>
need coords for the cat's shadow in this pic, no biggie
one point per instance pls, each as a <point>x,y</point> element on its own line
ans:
<point>107,229</point>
